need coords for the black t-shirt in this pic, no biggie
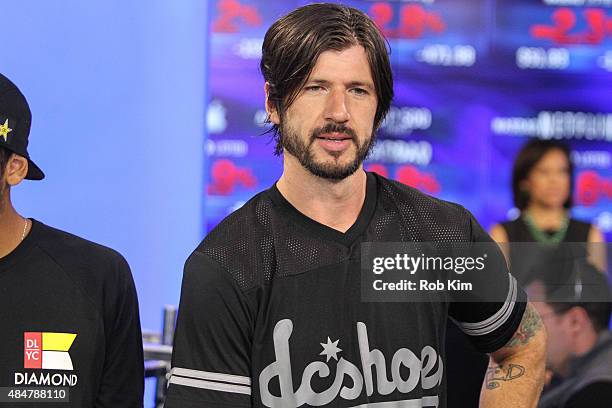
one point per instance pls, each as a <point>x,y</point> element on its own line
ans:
<point>594,395</point>
<point>69,319</point>
<point>271,312</point>
<point>530,262</point>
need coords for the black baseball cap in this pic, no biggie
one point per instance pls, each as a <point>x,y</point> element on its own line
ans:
<point>15,121</point>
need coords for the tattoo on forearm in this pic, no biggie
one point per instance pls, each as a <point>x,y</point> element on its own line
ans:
<point>497,374</point>
<point>530,325</point>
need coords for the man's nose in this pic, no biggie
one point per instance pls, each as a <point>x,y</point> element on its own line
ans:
<point>337,109</point>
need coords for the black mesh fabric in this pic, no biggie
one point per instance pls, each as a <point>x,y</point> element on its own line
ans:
<point>256,244</point>
<point>268,271</point>
<point>423,218</point>
<point>261,241</point>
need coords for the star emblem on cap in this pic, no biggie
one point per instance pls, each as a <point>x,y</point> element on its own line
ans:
<point>330,349</point>
<point>5,129</point>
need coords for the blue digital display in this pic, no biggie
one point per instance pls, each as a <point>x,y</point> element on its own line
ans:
<point>473,81</point>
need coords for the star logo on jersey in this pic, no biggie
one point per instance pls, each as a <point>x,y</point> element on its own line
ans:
<point>5,129</point>
<point>47,351</point>
<point>330,350</point>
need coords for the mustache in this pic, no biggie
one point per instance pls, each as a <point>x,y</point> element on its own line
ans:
<point>334,128</point>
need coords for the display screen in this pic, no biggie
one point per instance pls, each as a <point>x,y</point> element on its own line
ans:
<point>474,80</point>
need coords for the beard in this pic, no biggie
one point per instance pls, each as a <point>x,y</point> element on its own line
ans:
<point>302,150</point>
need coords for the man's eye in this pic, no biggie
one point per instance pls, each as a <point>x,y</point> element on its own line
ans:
<point>359,91</point>
<point>313,88</point>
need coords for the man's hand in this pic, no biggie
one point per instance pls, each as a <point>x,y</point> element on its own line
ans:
<point>515,376</point>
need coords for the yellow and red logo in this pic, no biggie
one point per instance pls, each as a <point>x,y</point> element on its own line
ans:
<point>47,351</point>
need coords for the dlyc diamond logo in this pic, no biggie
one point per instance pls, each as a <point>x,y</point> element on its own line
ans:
<point>47,351</point>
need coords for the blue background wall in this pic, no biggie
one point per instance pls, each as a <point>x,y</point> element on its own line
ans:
<point>468,76</point>
<point>117,91</point>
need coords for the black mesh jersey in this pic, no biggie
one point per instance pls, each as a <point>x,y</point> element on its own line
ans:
<point>271,312</point>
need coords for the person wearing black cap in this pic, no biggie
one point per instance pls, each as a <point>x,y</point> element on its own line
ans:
<point>576,309</point>
<point>69,322</point>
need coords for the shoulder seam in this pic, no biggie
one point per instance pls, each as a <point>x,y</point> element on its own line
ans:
<point>226,272</point>
<point>76,284</point>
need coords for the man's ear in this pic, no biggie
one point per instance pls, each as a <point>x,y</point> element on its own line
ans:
<point>16,169</point>
<point>578,318</point>
<point>270,107</point>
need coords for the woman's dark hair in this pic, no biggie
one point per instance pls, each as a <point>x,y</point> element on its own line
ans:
<point>293,44</point>
<point>530,154</point>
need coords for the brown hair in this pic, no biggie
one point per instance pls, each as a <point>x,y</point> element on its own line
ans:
<point>293,44</point>
<point>530,154</point>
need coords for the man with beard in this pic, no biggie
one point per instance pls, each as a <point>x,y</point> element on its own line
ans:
<point>271,312</point>
<point>70,330</point>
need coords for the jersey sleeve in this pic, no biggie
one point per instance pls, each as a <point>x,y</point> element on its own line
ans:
<point>122,383</point>
<point>211,361</point>
<point>490,324</point>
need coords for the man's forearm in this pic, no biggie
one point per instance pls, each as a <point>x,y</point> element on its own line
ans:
<point>516,372</point>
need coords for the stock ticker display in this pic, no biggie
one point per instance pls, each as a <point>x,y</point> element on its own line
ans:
<point>473,80</point>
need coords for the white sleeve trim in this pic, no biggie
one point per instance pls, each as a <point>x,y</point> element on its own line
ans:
<point>498,319</point>
<point>210,385</point>
<point>207,375</point>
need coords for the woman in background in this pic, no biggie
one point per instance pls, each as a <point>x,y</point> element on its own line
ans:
<point>542,182</point>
